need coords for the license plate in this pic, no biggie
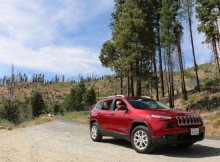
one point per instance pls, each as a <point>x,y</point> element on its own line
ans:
<point>194,131</point>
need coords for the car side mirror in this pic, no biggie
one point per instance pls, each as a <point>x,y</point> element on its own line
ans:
<point>122,107</point>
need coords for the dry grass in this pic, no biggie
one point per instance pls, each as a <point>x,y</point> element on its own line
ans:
<point>81,116</point>
<point>36,121</point>
<point>212,122</point>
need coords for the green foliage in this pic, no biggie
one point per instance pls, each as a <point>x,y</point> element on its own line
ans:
<point>57,109</point>
<point>208,102</point>
<point>108,54</point>
<point>79,97</point>
<point>191,99</point>
<point>211,85</point>
<point>6,123</point>
<point>37,104</point>
<point>207,17</point>
<point>132,45</point>
<point>10,111</point>
<point>89,98</point>
<point>26,112</point>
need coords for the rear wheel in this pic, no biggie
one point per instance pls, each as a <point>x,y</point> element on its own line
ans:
<point>141,140</point>
<point>94,132</point>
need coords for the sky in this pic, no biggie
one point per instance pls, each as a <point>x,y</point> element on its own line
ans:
<point>64,37</point>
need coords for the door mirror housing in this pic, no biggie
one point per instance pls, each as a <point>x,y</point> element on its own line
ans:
<point>122,107</point>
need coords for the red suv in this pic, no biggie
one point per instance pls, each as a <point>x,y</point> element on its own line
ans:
<point>144,122</point>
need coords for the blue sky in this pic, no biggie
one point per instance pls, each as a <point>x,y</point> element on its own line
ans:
<point>63,37</point>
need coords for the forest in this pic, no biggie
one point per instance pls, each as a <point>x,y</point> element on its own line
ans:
<point>146,43</point>
<point>145,53</point>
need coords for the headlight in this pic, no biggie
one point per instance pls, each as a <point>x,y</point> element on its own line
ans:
<point>160,117</point>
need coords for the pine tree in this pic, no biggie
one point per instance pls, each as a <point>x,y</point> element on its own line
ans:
<point>187,7</point>
<point>207,15</point>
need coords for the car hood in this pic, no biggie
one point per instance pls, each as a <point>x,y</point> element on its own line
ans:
<point>169,112</point>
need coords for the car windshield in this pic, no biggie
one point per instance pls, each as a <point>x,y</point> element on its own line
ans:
<point>146,103</point>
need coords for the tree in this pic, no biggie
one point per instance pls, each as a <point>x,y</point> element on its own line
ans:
<point>37,103</point>
<point>10,108</point>
<point>89,97</point>
<point>158,4</point>
<point>69,101</point>
<point>11,85</point>
<point>109,58</point>
<point>168,16</point>
<point>207,16</point>
<point>133,38</point>
<point>178,35</point>
<point>187,7</point>
<point>10,111</point>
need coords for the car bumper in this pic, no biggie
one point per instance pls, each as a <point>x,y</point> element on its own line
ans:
<point>178,138</point>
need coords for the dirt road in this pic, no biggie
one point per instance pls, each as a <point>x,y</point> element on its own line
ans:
<point>70,142</point>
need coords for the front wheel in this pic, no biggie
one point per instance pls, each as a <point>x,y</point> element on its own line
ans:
<point>94,133</point>
<point>141,140</point>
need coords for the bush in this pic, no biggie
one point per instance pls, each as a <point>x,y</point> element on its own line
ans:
<point>37,104</point>
<point>211,85</point>
<point>57,109</point>
<point>6,123</point>
<point>26,112</point>
<point>10,111</point>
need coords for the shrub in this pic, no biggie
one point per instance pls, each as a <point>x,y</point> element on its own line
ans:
<point>211,85</point>
<point>57,109</point>
<point>37,104</point>
<point>10,111</point>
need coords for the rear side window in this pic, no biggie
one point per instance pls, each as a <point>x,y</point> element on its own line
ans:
<point>99,106</point>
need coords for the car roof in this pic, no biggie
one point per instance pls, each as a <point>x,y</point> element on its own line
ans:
<point>122,96</point>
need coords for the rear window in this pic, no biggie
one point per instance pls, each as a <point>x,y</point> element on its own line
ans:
<point>146,103</point>
<point>99,106</point>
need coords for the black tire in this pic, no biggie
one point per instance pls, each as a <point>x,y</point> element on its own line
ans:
<point>94,132</point>
<point>184,145</point>
<point>141,140</point>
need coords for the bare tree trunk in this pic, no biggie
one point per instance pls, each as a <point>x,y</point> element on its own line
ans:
<point>166,72</point>
<point>132,86</point>
<point>132,81</point>
<point>155,73</point>
<point>184,92</point>
<point>138,89</point>
<point>138,85</point>
<point>121,83</point>
<point>151,79</point>
<point>216,55</point>
<point>128,87</point>
<point>160,60</point>
<point>193,51</point>
<point>170,78</point>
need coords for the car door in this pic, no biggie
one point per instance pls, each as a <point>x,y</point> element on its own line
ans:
<point>104,116</point>
<point>119,120</point>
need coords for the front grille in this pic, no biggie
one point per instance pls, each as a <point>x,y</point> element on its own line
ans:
<point>189,120</point>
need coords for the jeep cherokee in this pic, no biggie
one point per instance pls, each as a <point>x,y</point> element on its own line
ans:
<point>145,122</point>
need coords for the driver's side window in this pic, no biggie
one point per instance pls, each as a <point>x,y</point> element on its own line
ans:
<point>119,105</point>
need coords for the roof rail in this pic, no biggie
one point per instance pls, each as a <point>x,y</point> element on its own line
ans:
<point>114,96</point>
<point>145,96</point>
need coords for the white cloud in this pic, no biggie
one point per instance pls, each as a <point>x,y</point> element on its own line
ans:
<point>57,60</point>
<point>30,30</point>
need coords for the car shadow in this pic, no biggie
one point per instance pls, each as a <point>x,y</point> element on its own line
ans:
<point>118,142</point>
<point>195,151</point>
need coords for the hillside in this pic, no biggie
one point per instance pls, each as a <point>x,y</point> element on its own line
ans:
<point>207,102</point>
